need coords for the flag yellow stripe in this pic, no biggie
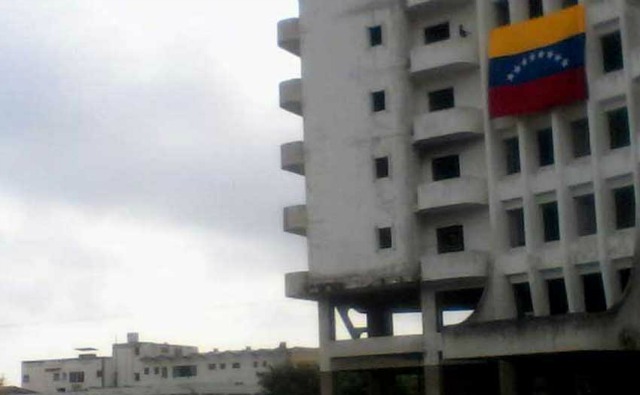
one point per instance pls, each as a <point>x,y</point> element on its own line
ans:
<point>538,32</point>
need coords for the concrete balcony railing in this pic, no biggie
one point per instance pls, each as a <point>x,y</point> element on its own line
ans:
<point>456,267</point>
<point>376,346</point>
<point>294,219</point>
<point>454,193</point>
<point>291,95</point>
<point>289,35</point>
<point>292,157</point>
<point>443,57</point>
<point>450,125</point>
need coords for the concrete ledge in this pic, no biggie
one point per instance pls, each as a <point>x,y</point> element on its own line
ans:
<point>445,126</point>
<point>451,55</point>
<point>294,219</point>
<point>291,96</point>
<point>289,35</point>
<point>292,157</point>
<point>454,193</point>
<point>456,267</point>
<point>412,360</point>
<point>296,285</point>
<point>390,345</point>
<point>418,6</point>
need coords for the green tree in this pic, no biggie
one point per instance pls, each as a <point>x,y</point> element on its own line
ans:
<point>290,380</point>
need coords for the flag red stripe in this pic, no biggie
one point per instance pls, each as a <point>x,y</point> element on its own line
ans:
<point>538,95</point>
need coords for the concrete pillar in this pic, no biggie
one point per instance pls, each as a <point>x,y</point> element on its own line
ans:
<point>507,374</point>
<point>518,10</point>
<point>551,5</point>
<point>327,332</point>
<point>433,380</point>
<point>379,321</point>
<point>326,383</point>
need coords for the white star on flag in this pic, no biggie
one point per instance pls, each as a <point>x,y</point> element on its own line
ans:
<point>565,63</point>
<point>510,77</point>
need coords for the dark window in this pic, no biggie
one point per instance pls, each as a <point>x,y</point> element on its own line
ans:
<point>611,52</point>
<point>375,35</point>
<point>625,203</point>
<point>445,167</point>
<point>382,167</point>
<point>56,377</point>
<point>545,147</point>
<point>223,366</point>
<point>146,370</point>
<point>535,8</point>
<point>136,376</point>
<point>164,350</point>
<point>441,99</point>
<point>384,238</point>
<point>580,138</point>
<point>502,12</point>
<point>99,373</point>
<point>437,33</point>
<point>512,155</point>
<point>618,121</point>
<point>586,215</point>
<point>236,365</point>
<point>624,275</point>
<point>524,304</point>
<point>550,221</point>
<point>156,370</point>
<point>450,239</point>
<point>569,3</point>
<point>516,227</point>
<point>264,364</point>
<point>212,366</point>
<point>378,101</point>
<point>136,350</point>
<point>76,377</point>
<point>255,364</point>
<point>557,297</point>
<point>185,371</point>
<point>25,378</point>
<point>61,389</point>
<point>594,299</point>
<point>164,372</point>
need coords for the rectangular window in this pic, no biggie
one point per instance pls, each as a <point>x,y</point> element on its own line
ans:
<point>445,167</point>
<point>502,12</point>
<point>618,122</point>
<point>623,276</point>
<point>625,203</point>
<point>378,101</point>
<point>156,370</point>
<point>535,8</point>
<point>164,372</point>
<point>255,364</point>
<point>384,238</point>
<point>550,221</point>
<point>375,35</point>
<point>612,59</point>
<point>437,33</point>
<point>382,167</point>
<point>56,377</point>
<point>99,373</point>
<point>586,214</point>
<point>512,155</point>
<point>212,366</point>
<point>61,389</point>
<point>146,370</point>
<point>450,239</point>
<point>516,227</point>
<point>580,141</point>
<point>136,376</point>
<point>76,377</point>
<point>25,378</point>
<point>223,366</point>
<point>235,365</point>
<point>185,371</point>
<point>569,3</point>
<point>557,296</point>
<point>136,350</point>
<point>545,147</point>
<point>524,303</point>
<point>441,99</point>
<point>594,299</point>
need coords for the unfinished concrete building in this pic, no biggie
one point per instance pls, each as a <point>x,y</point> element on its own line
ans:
<point>419,201</point>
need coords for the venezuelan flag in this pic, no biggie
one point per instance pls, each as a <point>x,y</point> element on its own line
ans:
<point>538,64</point>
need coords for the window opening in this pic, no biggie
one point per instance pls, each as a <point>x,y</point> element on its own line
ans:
<point>502,12</point>
<point>612,59</point>
<point>524,303</point>
<point>375,36</point>
<point>450,239</point>
<point>618,121</point>
<point>378,101</point>
<point>435,33</point>
<point>550,221</point>
<point>185,371</point>
<point>586,214</point>
<point>624,275</point>
<point>445,167</point>
<point>581,143</point>
<point>535,8</point>
<point>441,99</point>
<point>545,147</point>
<point>625,203</point>
<point>382,167</point>
<point>516,227</point>
<point>512,155</point>
<point>594,298</point>
<point>384,238</point>
<point>557,296</point>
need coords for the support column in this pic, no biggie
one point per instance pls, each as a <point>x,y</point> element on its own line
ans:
<point>518,10</point>
<point>433,380</point>
<point>507,374</point>
<point>326,383</point>
<point>379,321</point>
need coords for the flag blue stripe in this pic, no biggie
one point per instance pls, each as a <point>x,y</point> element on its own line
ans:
<point>541,62</point>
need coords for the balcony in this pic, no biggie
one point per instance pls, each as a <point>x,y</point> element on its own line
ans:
<point>289,35</point>
<point>445,126</point>
<point>292,157</point>
<point>459,268</point>
<point>291,96</point>
<point>443,57</point>
<point>454,193</point>
<point>294,219</point>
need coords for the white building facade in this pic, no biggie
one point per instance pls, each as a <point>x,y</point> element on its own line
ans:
<point>158,368</point>
<point>419,202</point>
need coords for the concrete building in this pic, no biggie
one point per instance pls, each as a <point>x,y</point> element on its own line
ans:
<point>158,368</point>
<point>418,202</point>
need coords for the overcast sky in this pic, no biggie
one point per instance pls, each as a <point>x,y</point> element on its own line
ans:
<point>140,187</point>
